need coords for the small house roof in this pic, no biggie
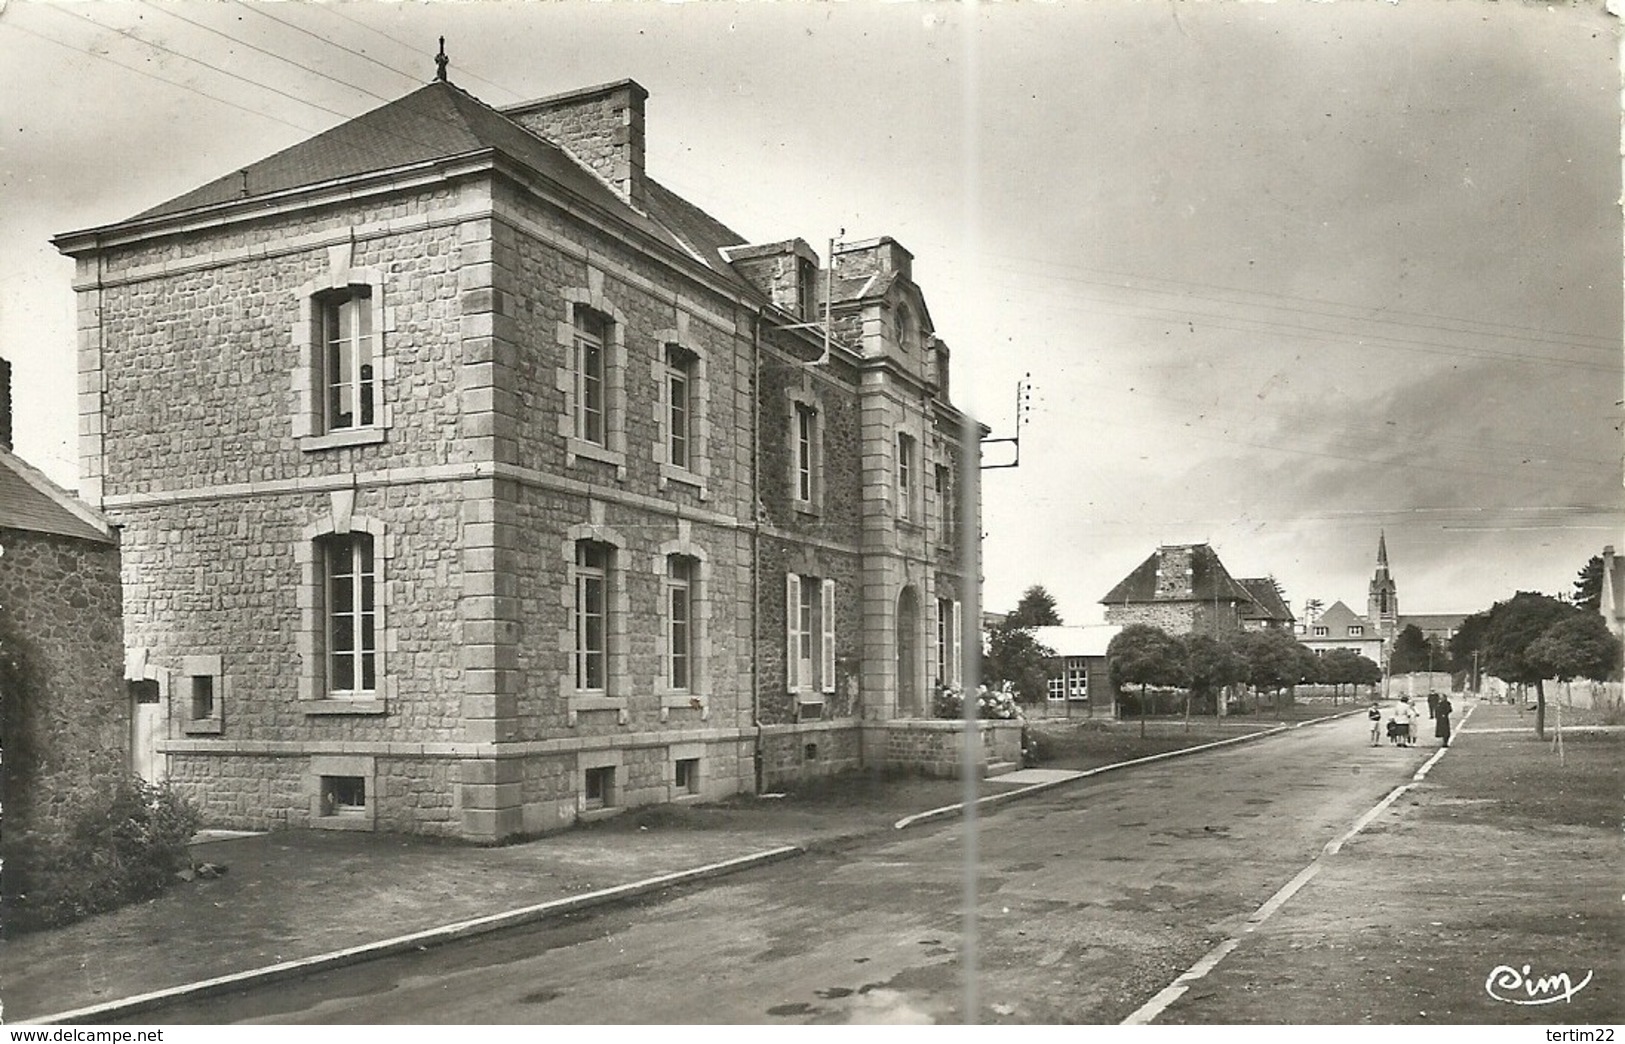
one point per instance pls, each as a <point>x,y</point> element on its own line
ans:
<point>1077,639</point>
<point>34,504</point>
<point>1267,603</point>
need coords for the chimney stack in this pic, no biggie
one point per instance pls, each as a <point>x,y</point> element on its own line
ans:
<point>5,405</point>
<point>602,127</point>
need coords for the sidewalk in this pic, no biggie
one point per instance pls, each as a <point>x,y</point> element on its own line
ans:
<point>1498,870</point>
<point>293,895</point>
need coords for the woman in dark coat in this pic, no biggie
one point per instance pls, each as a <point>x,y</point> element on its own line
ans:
<point>1441,720</point>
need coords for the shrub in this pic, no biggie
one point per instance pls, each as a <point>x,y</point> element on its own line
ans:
<point>997,703</point>
<point>123,843</point>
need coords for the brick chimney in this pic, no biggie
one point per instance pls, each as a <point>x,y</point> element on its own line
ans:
<point>5,405</point>
<point>601,126</point>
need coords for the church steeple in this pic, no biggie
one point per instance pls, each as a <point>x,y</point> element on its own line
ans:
<point>1382,604</point>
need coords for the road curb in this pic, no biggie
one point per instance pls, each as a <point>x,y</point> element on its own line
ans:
<point>414,941</point>
<point>999,799</point>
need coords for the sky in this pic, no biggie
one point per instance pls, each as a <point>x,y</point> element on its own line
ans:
<point>1282,277</point>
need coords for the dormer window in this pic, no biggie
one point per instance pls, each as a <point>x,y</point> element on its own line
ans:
<point>903,328</point>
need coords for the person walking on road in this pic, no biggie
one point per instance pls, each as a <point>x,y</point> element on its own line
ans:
<point>1405,715</point>
<point>1433,703</point>
<point>1441,720</point>
<point>1375,714</point>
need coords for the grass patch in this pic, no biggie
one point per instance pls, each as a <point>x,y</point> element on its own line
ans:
<point>1518,775</point>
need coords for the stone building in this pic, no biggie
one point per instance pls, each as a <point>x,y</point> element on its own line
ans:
<point>67,719</point>
<point>1268,610</point>
<point>473,483</point>
<point>1180,589</point>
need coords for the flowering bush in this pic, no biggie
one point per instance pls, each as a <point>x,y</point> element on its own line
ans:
<point>1000,703</point>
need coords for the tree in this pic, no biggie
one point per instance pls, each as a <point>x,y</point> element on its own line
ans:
<point>1341,667</point>
<point>1144,655</point>
<point>1415,651</point>
<point>1515,625</point>
<point>1577,646</point>
<point>1015,656</point>
<point>1467,643</point>
<point>1212,665</point>
<point>1588,585</point>
<point>1036,609</point>
<point>1275,661</point>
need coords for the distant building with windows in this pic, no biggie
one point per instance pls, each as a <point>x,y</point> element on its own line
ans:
<point>473,483</point>
<point>1339,627</point>
<point>1185,589</point>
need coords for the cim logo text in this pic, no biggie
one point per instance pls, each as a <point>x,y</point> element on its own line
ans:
<point>1512,986</point>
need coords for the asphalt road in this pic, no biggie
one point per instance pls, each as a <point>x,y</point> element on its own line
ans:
<point>1091,898</point>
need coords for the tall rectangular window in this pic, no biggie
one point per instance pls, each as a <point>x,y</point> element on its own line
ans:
<point>591,615</point>
<point>351,614</point>
<point>948,668</point>
<point>805,435</point>
<point>945,507</point>
<point>679,405</point>
<point>905,476</point>
<point>679,621</point>
<point>810,647</point>
<point>347,358</point>
<point>591,335</point>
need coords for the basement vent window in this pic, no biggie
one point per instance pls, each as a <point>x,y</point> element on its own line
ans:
<point>688,775</point>
<point>600,787</point>
<point>344,796</point>
<point>202,697</point>
<point>810,752</point>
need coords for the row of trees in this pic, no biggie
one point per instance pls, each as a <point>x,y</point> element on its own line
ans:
<point>1204,665</point>
<point>1531,637</point>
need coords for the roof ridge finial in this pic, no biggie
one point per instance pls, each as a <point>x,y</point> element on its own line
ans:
<point>441,61</point>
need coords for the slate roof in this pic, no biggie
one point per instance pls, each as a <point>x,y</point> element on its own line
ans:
<point>1210,581</point>
<point>441,121</point>
<point>1266,601</point>
<point>1337,621</point>
<point>34,504</point>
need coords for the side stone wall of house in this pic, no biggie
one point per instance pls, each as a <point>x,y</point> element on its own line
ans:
<point>60,615</point>
<point>1172,617</point>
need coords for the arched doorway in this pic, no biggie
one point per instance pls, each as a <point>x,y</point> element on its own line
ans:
<point>909,703</point>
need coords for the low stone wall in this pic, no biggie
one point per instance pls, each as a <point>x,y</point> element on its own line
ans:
<point>935,748</point>
<point>810,750</point>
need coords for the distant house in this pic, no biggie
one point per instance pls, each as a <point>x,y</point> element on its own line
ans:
<point>1437,627</point>
<point>67,718</point>
<point>1268,611</point>
<point>1080,684</point>
<point>1340,628</point>
<point>1181,589</point>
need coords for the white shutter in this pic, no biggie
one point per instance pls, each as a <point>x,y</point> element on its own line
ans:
<point>792,613</point>
<point>955,659</point>
<point>827,646</point>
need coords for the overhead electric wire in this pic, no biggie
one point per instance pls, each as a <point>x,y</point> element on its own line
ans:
<point>130,34</point>
<point>11,23</point>
<point>265,51</point>
<point>1183,287</point>
<point>1159,314</point>
<point>259,10</point>
<point>335,9</point>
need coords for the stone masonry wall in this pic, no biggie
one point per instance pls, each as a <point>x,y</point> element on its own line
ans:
<point>59,603</point>
<point>197,357</point>
<point>1172,617</point>
<point>222,579</point>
